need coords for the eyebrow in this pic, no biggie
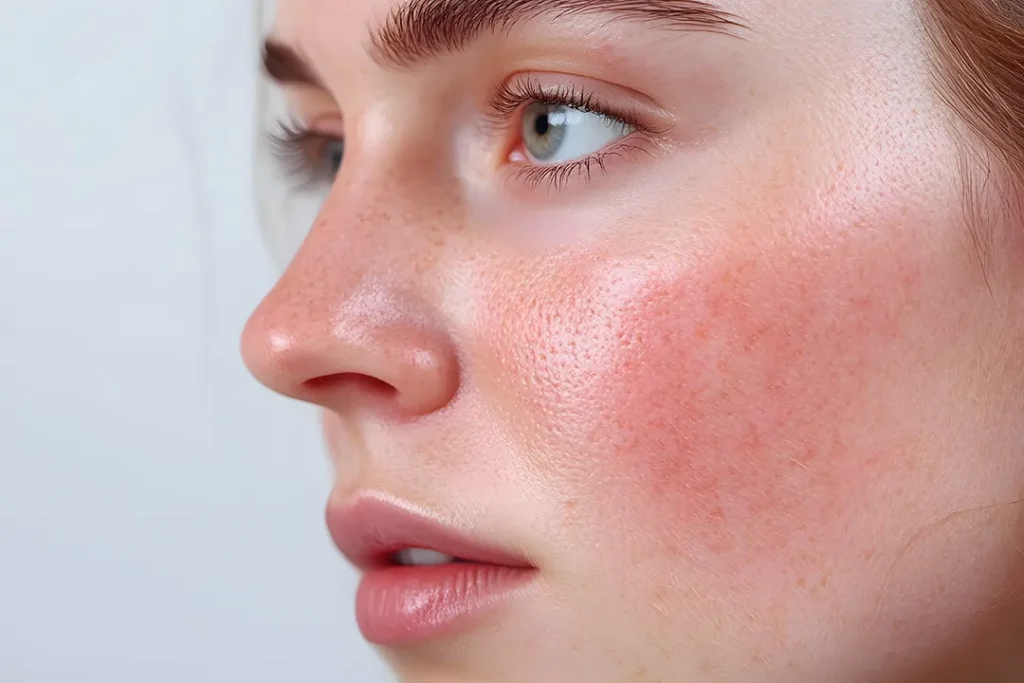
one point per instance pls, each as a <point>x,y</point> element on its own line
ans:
<point>420,30</point>
<point>424,29</point>
<point>286,66</point>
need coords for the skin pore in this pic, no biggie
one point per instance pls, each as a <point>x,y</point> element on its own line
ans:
<point>736,383</point>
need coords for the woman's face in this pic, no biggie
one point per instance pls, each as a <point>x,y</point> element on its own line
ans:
<point>684,314</point>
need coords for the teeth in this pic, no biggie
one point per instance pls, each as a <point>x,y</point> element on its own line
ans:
<point>418,557</point>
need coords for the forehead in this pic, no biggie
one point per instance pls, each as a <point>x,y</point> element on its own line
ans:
<point>346,20</point>
<point>814,24</point>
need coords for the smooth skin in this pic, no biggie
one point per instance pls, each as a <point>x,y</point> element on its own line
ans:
<point>749,397</point>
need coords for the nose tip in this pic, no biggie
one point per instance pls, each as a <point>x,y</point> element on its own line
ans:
<point>379,360</point>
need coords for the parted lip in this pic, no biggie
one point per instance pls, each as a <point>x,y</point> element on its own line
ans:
<point>370,531</point>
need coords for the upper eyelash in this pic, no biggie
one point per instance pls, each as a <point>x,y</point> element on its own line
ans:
<point>511,95</point>
<point>290,146</point>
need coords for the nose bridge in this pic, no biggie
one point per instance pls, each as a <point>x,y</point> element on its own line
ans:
<point>388,219</point>
<point>375,227</point>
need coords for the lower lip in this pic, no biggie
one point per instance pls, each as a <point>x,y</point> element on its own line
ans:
<point>398,606</point>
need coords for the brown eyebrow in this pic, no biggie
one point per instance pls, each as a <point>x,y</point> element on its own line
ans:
<point>287,67</point>
<point>424,29</point>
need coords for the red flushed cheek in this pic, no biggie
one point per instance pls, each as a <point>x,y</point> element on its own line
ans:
<point>728,403</point>
<point>726,407</point>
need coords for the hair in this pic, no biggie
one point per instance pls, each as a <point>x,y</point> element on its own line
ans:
<point>979,59</point>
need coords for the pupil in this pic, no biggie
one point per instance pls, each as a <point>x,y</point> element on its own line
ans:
<point>543,125</point>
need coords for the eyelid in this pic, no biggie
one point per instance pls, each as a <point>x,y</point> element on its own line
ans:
<point>330,126</point>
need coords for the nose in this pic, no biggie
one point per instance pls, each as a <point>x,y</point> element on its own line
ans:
<point>331,334</point>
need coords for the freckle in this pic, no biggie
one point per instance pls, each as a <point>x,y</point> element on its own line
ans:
<point>801,582</point>
<point>824,580</point>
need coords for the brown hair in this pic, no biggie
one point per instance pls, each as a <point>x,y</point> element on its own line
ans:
<point>980,67</point>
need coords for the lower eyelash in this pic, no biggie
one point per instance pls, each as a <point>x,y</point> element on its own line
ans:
<point>558,176</point>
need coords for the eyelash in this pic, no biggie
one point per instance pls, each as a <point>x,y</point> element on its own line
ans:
<point>296,146</point>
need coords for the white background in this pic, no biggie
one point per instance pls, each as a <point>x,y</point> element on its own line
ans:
<point>160,513</point>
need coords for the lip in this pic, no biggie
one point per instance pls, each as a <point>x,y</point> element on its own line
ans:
<point>399,605</point>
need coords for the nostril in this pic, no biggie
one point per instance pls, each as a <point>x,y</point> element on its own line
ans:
<point>353,382</point>
<point>355,386</point>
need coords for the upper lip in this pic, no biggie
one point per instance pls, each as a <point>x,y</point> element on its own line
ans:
<point>369,532</point>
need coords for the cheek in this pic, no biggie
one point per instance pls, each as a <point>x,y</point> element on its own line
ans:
<point>727,401</point>
<point>724,407</point>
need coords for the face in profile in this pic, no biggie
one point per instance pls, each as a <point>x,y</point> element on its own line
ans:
<point>653,341</point>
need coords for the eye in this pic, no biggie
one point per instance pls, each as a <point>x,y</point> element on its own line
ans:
<point>556,133</point>
<point>332,155</point>
<point>307,158</point>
